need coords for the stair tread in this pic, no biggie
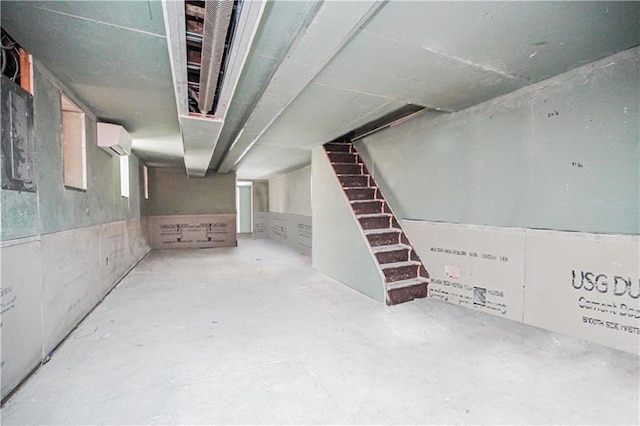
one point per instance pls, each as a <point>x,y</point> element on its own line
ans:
<point>380,231</point>
<point>364,201</point>
<point>400,264</point>
<point>392,247</point>
<point>370,215</point>
<point>406,283</point>
<point>358,187</point>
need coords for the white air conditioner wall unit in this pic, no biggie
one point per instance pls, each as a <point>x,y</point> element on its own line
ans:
<point>114,139</point>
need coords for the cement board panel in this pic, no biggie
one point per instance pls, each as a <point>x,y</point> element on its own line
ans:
<point>114,254</point>
<point>260,225</point>
<point>137,233</point>
<point>279,227</point>
<point>293,230</point>
<point>478,267</point>
<point>301,233</point>
<point>585,285</point>
<point>70,280</point>
<point>193,231</point>
<point>20,315</point>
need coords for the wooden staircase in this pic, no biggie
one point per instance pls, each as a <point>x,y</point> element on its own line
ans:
<point>404,275</point>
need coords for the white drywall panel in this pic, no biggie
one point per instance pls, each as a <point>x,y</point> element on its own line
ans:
<point>193,231</point>
<point>21,316</point>
<point>260,225</point>
<point>339,247</point>
<point>585,285</point>
<point>478,267</point>
<point>70,281</point>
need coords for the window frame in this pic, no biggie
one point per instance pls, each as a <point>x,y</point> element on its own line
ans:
<point>73,134</point>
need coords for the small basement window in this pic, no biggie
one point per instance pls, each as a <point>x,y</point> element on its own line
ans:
<point>124,175</point>
<point>73,145</point>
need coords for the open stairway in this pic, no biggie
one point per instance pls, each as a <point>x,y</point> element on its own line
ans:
<point>405,278</point>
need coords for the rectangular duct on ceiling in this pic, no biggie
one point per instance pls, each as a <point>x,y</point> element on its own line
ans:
<point>218,15</point>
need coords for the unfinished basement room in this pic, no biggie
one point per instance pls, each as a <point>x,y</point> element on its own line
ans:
<point>320,212</point>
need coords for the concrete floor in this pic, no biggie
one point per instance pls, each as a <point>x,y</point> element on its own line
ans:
<point>254,335</point>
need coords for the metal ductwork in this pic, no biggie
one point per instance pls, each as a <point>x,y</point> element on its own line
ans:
<point>216,25</point>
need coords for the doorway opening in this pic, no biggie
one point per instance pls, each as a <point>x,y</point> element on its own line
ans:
<point>244,207</point>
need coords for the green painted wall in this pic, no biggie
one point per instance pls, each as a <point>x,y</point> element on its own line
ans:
<point>260,196</point>
<point>291,192</point>
<point>562,154</point>
<point>19,214</point>
<point>55,208</point>
<point>171,192</point>
<point>339,248</point>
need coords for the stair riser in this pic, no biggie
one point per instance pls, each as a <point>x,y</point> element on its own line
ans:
<point>401,273</point>
<point>337,147</point>
<point>347,169</point>
<point>360,194</point>
<point>343,157</point>
<point>366,199</point>
<point>353,181</point>
<point>406,294</point>
<point>387,239</point>
<point>367,207</point>
<point>423,272</point>
<point>374,222</point>
<point>393,256</point>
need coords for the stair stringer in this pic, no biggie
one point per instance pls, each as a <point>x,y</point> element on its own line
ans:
<point>339,248</point>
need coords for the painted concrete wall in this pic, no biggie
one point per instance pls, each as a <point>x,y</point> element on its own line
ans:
<point>171,192</point>
<point>561,154</point>
<point>62,250</point>
<point>472,188</point>
<point>291,192</point>
<point>339,248</point>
